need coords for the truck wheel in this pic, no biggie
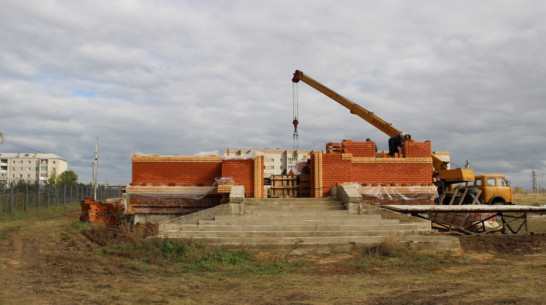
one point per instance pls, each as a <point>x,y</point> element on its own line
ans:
<point>469,198</point>
<point>497,201</point>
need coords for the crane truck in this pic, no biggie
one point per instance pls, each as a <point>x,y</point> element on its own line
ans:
<point>471,188</point>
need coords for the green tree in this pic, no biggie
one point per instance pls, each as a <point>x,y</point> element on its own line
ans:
<point>52,178</point>
<point>67,178</point>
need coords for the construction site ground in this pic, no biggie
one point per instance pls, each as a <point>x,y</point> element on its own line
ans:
<point>52,258</point>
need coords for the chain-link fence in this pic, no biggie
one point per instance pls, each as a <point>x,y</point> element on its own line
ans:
<point>34,196</point>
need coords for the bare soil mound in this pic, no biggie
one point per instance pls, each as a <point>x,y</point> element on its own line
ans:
<point>513,244</point>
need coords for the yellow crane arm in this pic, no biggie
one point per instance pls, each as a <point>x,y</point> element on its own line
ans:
<point>354,108</point>
<point>370,117</point>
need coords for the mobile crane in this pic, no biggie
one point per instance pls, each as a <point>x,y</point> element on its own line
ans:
<point>499,193</point>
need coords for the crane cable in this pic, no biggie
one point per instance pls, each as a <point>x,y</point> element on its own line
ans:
<point>295,114</point>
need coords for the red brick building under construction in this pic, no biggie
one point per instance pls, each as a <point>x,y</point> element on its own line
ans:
<point>178,185</point>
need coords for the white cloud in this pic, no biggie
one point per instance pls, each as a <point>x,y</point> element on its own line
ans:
<point>180,77</point>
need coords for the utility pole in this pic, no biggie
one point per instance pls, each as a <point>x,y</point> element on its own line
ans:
<point>535,186</point>
<point>95,168</point>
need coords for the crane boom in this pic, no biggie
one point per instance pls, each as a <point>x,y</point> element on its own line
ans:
<point>354,108</point>
<point>377,122</point>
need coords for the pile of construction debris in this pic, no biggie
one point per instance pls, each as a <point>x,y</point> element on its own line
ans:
<point>107,213</point>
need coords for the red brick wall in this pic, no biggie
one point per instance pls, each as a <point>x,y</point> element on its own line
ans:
<point>201,172</point>
<point>417,149</point>
<point>392,173</point>
<point>335,171</point>
<point>401,171</point>
<point>358,149</point>
<point>176,173</point>
<point>242,172</point>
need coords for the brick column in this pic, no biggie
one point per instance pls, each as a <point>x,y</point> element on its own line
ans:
<point>317,175</point>
<point>258,177</point>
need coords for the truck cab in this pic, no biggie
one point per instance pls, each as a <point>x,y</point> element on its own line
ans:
<point>495,189</point>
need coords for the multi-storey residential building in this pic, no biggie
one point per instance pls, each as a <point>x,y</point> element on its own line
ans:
<point>29,167</point>
<point>276,161</point>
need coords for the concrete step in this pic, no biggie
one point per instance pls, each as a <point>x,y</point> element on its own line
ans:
<point>334,245</point>
<point>300,227</point>
<point>300,208</point>
<point>298,217</point>
<point>292,221</point>
<point>330,205</point>
<point>292,201</point>
<point>282,234</point>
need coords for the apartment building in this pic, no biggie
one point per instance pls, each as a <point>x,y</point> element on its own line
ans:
<point>29,167</point>
<point>276,161</point>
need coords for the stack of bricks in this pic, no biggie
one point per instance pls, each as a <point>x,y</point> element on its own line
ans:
<point>106,213</point>
<point>333,147</point>
<point>223,188</point>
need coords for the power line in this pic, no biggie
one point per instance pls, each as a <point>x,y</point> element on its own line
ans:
<point>34,150</point>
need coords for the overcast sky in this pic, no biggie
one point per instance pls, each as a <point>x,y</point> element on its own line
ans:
<point>183,77</point>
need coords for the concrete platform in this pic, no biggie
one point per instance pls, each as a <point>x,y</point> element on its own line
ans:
<point>296,226</point>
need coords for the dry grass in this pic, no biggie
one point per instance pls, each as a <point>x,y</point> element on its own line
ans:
<point>536,222</point>
<point>532,199</point>
<point>49,261</point>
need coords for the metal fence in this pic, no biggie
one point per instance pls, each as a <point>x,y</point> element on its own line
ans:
<point>34,196</point>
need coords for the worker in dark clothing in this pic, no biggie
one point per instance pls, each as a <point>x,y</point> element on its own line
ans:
<point>397,141</point>
<point>440,187</point>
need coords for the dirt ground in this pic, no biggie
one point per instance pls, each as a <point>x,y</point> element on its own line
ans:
<point>45,261</point>
<point>513,244</point>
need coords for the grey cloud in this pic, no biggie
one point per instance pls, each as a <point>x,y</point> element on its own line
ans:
<point>183,77</point>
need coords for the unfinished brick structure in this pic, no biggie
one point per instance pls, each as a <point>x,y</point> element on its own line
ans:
<point>381,176</point>
<point>167,185</point>
<point>177,185</point>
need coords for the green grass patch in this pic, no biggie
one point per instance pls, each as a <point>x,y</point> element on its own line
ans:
<point>186,257</point>
<point>78,226</point>
<point>33,213</point>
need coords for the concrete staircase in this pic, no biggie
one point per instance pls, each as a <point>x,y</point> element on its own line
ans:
<point>297,226</point>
